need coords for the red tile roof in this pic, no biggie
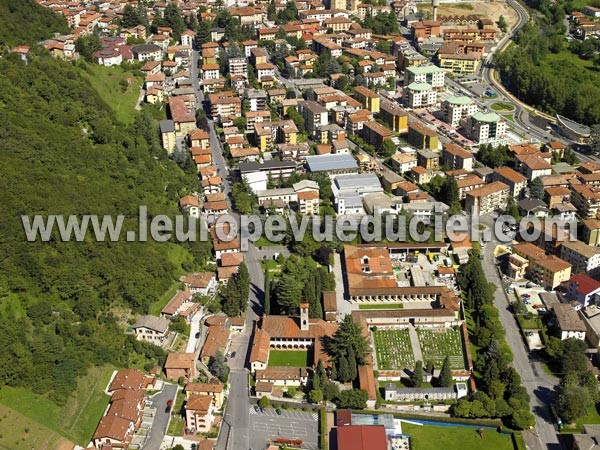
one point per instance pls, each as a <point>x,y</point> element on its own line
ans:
<point>362,437</point>
<point>585,284</point>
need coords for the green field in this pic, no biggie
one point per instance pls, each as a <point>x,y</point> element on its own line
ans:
<point>393,349</point>
<point>106,80</point>
<point>502,106</point>
<point>77,419</point>
<point>592,417</point>
<point>156,307</point>
<point>436,344</point>
<point>430,437</point>
<point>294,358</point>
<point>388,306</point>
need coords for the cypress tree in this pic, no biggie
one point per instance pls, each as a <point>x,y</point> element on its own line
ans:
<point>267,290</point>
<point>445,379</point>
<point>353,369</point>
<point>417,376</point>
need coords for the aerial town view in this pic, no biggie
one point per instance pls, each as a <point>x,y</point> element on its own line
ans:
<point>300,224</point>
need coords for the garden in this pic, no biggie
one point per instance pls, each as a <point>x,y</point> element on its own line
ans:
<point>438,343</point>
<point>393,349</point>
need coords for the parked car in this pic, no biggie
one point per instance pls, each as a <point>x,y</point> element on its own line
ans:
<point>278,411</point>
<point>256,408</point>
<point>169,406</point>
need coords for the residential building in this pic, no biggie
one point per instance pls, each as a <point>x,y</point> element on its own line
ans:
<point>368,98</point>
<point>587,200</point>
<point>486,128</point>
<point>167,133</point>
<point>176,304</point>
<point>428,159</point>
<point>217,340</point>
<point>419,95</point>
<point>584,258</point>
<point>238,67</point>
<point>457,108</point>
<point>180,365</point>
<point>269,134</point>
<point>422,137</point>
<point>199,413</point>
<point>514,180</point>
<point>456,157</point>
<point>403,162</point>
<point>534,166</point>
<point>591,232</point>
<point>584,290</point>
<point>113,432</point>
<point>183,117</point>
<point>549,271</point>
<point>225,104</point>
<point>429,74</point>
<point>146,52</point>
<point>274,169</point>
<point>395,394</point>
<point>568,322</point>
<point>394,116</point>
<point>425,29</point>
<point>190,205</point>
<point>459,63</point>
<point>200,283</point>
<point>315,115</point>
<point>487,199</point>
<point>375,134</point>
<point>151,329</point>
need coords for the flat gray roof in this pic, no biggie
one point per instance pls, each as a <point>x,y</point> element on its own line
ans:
<point>324,163</point>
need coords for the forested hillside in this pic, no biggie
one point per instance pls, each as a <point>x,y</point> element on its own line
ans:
<point>63,152</point>
<point>25,22</point>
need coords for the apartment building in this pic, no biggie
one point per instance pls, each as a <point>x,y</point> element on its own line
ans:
<point>375,134</point>
<point>487,199</point>
<point>429,74</point>
<point>209,71</point>
<point>515,181</point>
<point>591,232</point>
<point>459,63</point>
<point>151,329</point>
<point>583,257</point>
<point>394,116</point>
<point>268,134</point>
<point>456,157</point>
<point>456,108</point>
<point>548,271</point>
<point>486,128</point>
<point>568,322</point>
<point>238,67</point>
<point>584,290</point>
<point>368,98</point>
<point>587,200</point>
<point>403,162</point>
<point>534,166</point>
<point>419,95</point>
<point>315,115</point>
<point>225,104</point>
<point>422,137</point>
<point>257,98</point>
<point>424,29</point>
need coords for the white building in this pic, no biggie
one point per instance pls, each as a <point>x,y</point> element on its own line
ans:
<point>151,329</point>
<point>584,258</point>
<point>486,128</point>
<point>459,107</point>
<point>568,322</point>
<point>419,95</point>
<point>348,191</point>
<point>430,74</point>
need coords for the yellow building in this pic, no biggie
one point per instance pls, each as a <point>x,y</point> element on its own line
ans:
<point>591,232</point>
<point>548,271</point>
<point>214,390</point>
<point>394,116</point>
<point>422,137</point>
<point>368,98</point>
<point>460,63</point>
<point>167,132</point>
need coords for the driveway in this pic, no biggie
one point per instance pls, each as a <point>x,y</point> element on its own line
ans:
<point>161,418</point>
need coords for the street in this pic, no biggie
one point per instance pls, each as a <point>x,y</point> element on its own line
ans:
<point>539,385</point>
<point>161,419</point>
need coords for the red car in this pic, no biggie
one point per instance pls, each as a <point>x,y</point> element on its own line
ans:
<point>169,405</point>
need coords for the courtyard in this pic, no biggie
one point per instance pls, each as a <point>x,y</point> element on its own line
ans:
<point>290,358</point>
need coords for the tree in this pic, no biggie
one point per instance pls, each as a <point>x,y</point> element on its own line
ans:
<point>267,290</point>
<point>131,17</point>
<point>595,141</point>
<point>264,402</point>
<point>416,378</point>
<point>445,377</point>
<point>536,189</point>
<point>330,390</point>
<point>348,341</point>
<point>352,399</point>
<point>343,372</point>
<point>572,403</point>
<point>87,45</point>
<point>174,19</point>
<point>502,24</point>
<point>388,148</point>
<point>296,117</point>
<point>316,396</point>
<point>218,366</point>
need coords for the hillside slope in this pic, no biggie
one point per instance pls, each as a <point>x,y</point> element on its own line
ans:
<point>26,22</point>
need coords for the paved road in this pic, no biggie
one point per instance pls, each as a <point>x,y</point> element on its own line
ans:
<point>192,344</point>
<point>269,425</point>
<point>539,385</point>
<point>161,419</point>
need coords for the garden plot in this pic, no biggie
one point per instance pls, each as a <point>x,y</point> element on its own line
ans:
<point>436,344</point>
<point>393,349</point>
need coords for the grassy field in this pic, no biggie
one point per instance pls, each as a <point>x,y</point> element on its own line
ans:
<point>77,420</point>
<point>429,437</point>
<point>388,306</point>
<point>439,343</point>
<point>107,81</point>
<point>19,431</point>
<point>571,66</point>
<point>592,417</point>
<point>156,307</point>
<point>294,358</point>
<point>393,349</point>
<point>177,420</point>
<point>502,106</point>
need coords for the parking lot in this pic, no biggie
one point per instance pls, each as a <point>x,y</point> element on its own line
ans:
<point>290,425</point>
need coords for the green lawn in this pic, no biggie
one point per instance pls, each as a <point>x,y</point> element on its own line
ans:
<point>77,420</point>
<point>156,307</point>
<point>387,306</point>
<point>264,242</point>
<point>502,106</point>
<point>430,437</point>
<point>593,417</point>
<point>294,358</point>
<point>106,80</point>
<point>177,420</point>
<point>19,431</point>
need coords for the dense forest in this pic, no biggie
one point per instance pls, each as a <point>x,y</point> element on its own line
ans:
<point>545,72</point>
<point>63,152</point>
<point>25,22</point>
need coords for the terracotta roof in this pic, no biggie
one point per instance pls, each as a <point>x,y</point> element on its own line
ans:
<point>488,189</point>
<point>232,259</point>
<point>361,437</point>
<point>180,360</point>
<point>510,175</point>
<point>260,346</point>
<point>216,340</point>
<point>204,387</point>
<point>132,379</point>
<point>198,279</point>
<point>366,379</point>
<point>281,373</point>
<point>176,301</point>
<point>113,427</point>
<point>199,403</point>
<point>189,200</point>
<point>264,386</point>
